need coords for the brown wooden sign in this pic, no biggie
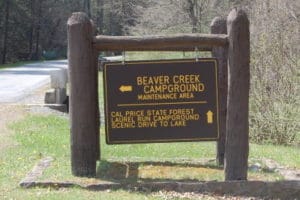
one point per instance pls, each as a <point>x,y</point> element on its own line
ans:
<point>161,101</point>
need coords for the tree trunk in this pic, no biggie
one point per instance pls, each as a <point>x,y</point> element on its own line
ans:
<point>237,138</point>
<point>192,14</point>
<point>99,18</point>
<point>87,7</point>
<point>84,113</point>
<point>111,21</point>
<point>218,26</point>
<point>5,35</point>
<point>32,15</point>
<point>51,35</point>
<point>38,29</point>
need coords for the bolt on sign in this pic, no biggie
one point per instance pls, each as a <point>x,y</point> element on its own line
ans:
<point>161,101</point>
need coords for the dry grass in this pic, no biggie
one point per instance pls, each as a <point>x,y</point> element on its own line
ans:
<point>9,114</point>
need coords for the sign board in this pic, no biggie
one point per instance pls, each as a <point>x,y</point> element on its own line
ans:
<point>161,101</point>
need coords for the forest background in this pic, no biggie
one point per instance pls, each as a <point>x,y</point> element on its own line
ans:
<point>36,30</point>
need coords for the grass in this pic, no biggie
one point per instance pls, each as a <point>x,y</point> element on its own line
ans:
<point>40,136</point>
<point>17,64</point>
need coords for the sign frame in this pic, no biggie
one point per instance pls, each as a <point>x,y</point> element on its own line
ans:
<point>106,102</point>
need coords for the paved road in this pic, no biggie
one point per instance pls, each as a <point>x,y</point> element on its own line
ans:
<point>17,83</point>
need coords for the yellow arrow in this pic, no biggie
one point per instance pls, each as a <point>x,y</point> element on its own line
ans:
<point>209,115</point>
<point>125,88</point>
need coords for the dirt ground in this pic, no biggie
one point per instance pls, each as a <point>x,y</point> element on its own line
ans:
<point>11,112</point>
<point>8,114</point>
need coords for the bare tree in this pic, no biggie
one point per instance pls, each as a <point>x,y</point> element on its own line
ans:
<point>38,29</point>
<point>5,35</point>
<point>196,10</point>
<point>99,15</point>
<point>87,7</point>
<point>32,25</point>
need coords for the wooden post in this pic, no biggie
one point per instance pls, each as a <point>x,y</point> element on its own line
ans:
<point>95,59</point>
<point>237,138</point>
<point>219,26</point>
<point>84,115</point>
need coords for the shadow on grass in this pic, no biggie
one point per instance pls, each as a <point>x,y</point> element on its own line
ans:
<point>130,172</point>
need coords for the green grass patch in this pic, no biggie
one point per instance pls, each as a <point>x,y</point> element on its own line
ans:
<point>40,136</point>
<point>17,64</point>
<point>284,155</point>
